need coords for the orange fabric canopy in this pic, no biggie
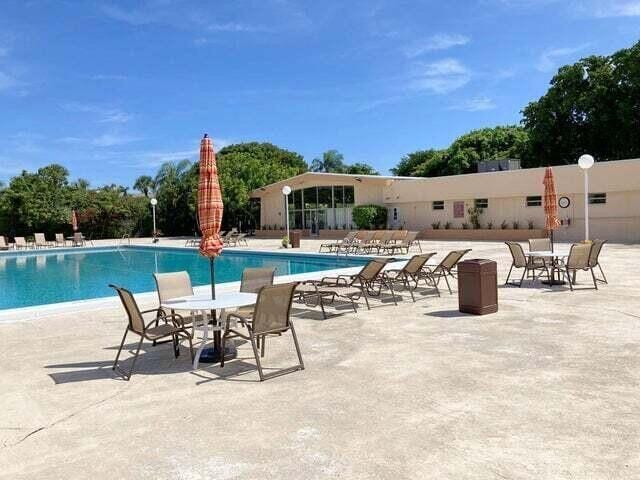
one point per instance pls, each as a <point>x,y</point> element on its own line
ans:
<point>209,201</point>
<point>550,202</point>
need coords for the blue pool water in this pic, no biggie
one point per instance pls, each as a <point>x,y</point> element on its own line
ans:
<point>37,278</point>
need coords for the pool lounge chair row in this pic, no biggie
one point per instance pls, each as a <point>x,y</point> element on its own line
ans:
<point>380,242</point>
<point>40,241</point>
<point>232,238</point>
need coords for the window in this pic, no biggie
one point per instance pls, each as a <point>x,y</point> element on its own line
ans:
<point>437,205</point>
<point>349,196</point>
<point>324,197</point>
<point>481,203</point>
<point>310,196</point>
<point>597,198</point>
<point>534,201</point>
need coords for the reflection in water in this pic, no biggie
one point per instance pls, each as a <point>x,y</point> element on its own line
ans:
<point>41,262</point>
<point>60,257</point>
<point>21,261</point>
<point>3,263</point>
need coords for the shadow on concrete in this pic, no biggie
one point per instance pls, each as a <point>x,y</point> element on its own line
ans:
<point>448,314</point>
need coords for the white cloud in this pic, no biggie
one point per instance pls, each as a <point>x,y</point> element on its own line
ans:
<point>477,104</point>
<point>550,58</point>
<point>105,114</point>
<point>440,77</point>
<point>615,8</point>
<point>7,82</point>
<point>104,140</point>
<point>442,41</point>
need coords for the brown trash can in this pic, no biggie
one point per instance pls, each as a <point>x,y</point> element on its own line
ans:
<point>295,238</point>
<point>478,286</point>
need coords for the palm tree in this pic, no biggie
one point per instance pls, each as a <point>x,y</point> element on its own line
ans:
<point>144,184</point>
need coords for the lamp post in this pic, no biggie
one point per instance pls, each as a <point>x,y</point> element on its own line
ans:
<point>586,162</point>
<point>154,202</point>
<point>286,191</point>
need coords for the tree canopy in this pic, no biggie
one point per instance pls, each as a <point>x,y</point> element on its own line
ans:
<point>332,161</point>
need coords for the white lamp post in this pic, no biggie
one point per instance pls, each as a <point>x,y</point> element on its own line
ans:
<point>154,202</point>
<point>586,162</point>
<point>286,191</point>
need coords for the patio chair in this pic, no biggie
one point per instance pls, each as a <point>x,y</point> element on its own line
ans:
<point>520,260</point>
<point>78,240</point>
<point>20,242</point>
<point>404,245</point>
<point>411,273</point>
<point>3,243</point>
<point>195,241</point>
<point>272,316</point>
<point>380,239</point>
<point>365,284</point>
<point>137,326</point>
<point>539,245</point>
<point>345,242</point>
<point>594,259</point>
<point>60,241</point>
<point>40,241</point>
<point>578,259</point>
<point>240,238</point>
<point>444,269</point>
<point>253,279</point>
<point>363,237</point>
<point>174,285</point>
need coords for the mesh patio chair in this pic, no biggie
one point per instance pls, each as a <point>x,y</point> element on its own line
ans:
<point>238,239</point>
<point>594,260</point>
<point>578,259</point>
<point>272,316</point>
<point>444,269</point>
<point>520,260</point>
<point>365,284</point>
<point>379,240</point>
<point>60,240</point>
<point>78,239</point>
<point>40,241</point>
<point>404,245</point>
<point>174,328</point>
<point>363,238</point>
<point>253,279</point>
<point>539,244</point>
<point>344,243</point>
<point>20,242</point>
<point>411,273</point>
<point>3,243</point>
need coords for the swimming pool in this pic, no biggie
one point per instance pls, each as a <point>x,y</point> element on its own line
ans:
<point>40,278</point>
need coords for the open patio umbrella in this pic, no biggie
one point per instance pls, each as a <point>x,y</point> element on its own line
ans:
<point>74,220</point>
<point>209,207</point>
<point>550,202</point>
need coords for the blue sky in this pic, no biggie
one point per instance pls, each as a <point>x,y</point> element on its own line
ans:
<point>113,89</point>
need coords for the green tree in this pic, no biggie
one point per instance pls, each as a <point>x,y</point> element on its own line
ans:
<point>144,184</point>
<point>361,169</point>
<point>332,161</point>
<point>173,189</point>
<point>591,106</point>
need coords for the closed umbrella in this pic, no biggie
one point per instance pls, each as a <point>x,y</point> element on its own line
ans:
<point>74,220</point>
<point>209,207</point>
<point>550,202</point>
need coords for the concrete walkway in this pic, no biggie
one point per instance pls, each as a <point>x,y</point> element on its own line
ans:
<point>547,388</point>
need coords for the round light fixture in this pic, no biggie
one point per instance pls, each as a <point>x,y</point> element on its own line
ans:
<point>286,190</point>
<point>586,162</point>
<point>154,202</point>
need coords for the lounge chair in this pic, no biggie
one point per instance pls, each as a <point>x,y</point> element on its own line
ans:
<point>365,284</point>
<point>404,246</point>
<point>3,243</point>
<point>40,241</point>
<point>78,240</point>
<point>362,238</point>
<point>411,273</point>
<point>272,316</point>
<point>20,242</point>
<point>520,260</point>
<point>60,241</point>
<point>237,239</point>
<point>578,259</point>
<point>342,244</point>
<point>444,269</point>
<point>192,242</point>
<point>174,328</point>
<point>380,239</point>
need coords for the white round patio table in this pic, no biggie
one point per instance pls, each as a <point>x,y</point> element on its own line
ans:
<point>204,303</point>
<point>555,257</point>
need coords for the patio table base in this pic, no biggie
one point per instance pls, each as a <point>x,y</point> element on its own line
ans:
<point>212,354</point>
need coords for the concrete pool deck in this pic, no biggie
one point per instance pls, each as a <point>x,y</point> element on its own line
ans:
<point>548,387</point>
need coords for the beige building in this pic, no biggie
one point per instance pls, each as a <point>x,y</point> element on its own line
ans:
<point>322,202</point>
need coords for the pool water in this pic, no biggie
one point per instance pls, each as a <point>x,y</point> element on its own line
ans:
<point>38,278</point>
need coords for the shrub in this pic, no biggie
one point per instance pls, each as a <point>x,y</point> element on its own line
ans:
<point>369,216</point>
<point>504,225</point>
<point>490,225</point>
<point>530,224</point>
<point>465,226</point>
<point>285,242</point>
<point>435,225</point>
<point>516,225</point>
<point>447,225</point>
<point>474,217</point>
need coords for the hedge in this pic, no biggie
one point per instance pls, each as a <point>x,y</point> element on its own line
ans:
<point>369,216</point>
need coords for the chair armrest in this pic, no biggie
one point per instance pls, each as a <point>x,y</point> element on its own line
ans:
<point>340,279</point>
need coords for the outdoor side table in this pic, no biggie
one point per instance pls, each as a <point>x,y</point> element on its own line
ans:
<point>204,303</point>
<point>478,286</point>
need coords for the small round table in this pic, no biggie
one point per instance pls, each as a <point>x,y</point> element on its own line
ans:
<point>204,303</point>
<point>555,257</point>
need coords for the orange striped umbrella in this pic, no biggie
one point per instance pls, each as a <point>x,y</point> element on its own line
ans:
<point>209,205</point>
<point>74,220</point>
<point>551,221</point>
